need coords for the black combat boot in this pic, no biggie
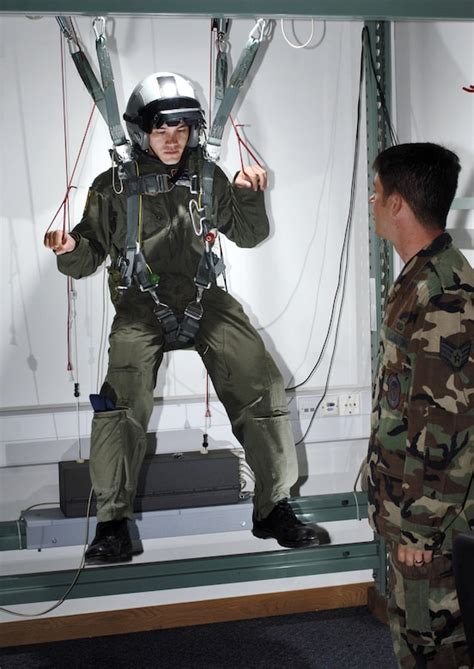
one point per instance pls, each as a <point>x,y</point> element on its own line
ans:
<point>282,524</point>
<point>111,543</point>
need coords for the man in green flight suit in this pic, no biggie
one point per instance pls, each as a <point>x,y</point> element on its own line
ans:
<point>421,450</point>
<point>164,120</point>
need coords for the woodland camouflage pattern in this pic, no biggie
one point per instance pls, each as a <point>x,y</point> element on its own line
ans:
<point>421,450</point>
<point>425,620</point>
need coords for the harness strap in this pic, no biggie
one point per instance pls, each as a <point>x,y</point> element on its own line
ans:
<point>237,79</point>
<point>132,264</point>
<point>153,184</point>
<point>221,27</point>
<point>127,262</point>
<point>113,115</point>
<point>82,64</point>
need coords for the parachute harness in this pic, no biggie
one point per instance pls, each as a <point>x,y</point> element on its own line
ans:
<point>131,263</point>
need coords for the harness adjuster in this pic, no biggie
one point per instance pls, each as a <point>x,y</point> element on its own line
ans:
<point>194,187</point>
<point>194,310</point>
<point>168,322</point>
<point>156,183</point>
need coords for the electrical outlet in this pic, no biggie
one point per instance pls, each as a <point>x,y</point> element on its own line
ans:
<point>307,406</point>
<point>349,405</point>
<point>330,406</point>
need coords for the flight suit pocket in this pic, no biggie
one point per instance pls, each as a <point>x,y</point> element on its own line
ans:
<point>124,385</point>
<point>417,600</point>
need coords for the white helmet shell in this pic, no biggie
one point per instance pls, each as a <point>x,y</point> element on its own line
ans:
<point>162,97</point>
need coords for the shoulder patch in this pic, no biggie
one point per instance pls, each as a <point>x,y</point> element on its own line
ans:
<point>455,356</point>
<point>394,391</point>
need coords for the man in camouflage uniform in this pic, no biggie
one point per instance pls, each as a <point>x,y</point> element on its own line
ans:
<point>420,460</point>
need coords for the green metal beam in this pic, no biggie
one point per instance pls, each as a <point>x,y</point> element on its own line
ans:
<point>329,508</point>
<point>378,139</point>
<point>12,535</point>
<point>106,581</point>
<point>369,10</point>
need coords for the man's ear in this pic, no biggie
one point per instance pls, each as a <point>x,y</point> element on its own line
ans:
<point>396,203</point>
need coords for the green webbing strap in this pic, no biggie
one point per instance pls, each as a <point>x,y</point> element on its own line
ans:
<point>90,82</point>
<point>113,115</point>
<point>220,85</point>
<point>224,101</point>
<point>82,65</point>
<point>237,79</point>
<point>131,263</point>
<point>224,109</point>
<point>220,27</point>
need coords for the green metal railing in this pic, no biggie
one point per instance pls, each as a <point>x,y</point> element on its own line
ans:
<point>106,581</point>
<point>103,581</point>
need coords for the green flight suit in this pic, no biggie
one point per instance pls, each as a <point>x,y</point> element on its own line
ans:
<point>421,450</point>
<point>244,375</point>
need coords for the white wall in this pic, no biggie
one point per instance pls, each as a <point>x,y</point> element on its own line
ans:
<point>300,113</point>
<point>433,61</point>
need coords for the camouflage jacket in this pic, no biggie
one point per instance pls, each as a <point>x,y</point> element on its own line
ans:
<point>421,449</point>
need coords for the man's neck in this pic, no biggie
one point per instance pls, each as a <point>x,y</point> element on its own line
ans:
<point>413,241</point>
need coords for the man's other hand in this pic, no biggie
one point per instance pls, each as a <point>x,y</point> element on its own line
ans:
<point>254,177</point>
<point>59,242</point>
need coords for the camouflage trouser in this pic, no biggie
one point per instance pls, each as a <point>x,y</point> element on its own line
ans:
<point>245,378</point>
<point>424,615</point>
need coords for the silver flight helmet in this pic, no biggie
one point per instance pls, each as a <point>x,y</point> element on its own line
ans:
<point>162,97</point>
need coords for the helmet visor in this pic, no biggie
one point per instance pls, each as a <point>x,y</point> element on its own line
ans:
<point>172,112</point>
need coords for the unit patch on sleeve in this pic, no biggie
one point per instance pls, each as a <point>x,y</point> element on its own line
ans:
<point>455,356</point>
<point>394,391</point>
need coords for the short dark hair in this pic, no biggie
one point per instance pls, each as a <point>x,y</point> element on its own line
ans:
<point>425,175</point>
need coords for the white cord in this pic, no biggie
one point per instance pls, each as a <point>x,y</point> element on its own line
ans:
<point>297,46</point>
<point>102,341</point>
<point>76,379</point>
<point>357,504</point>
<point>76,577</point>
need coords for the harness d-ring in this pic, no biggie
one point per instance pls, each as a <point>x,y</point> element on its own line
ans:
<point>98,25</point>
<point>193,212</point>
<point>260,27</point>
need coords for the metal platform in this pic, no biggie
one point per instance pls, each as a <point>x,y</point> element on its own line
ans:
<point>49,528</point>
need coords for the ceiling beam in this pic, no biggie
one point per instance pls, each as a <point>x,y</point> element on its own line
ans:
<point>363,10</point>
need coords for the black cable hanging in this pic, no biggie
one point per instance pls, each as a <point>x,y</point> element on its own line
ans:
<point>343,261</point>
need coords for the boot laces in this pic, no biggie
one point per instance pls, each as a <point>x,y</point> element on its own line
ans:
<point>284,511</point>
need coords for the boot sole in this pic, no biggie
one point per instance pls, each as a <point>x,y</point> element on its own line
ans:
<point>262,534</point>
<point>108,560</point>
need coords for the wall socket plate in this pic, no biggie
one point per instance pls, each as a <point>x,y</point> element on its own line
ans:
<point>328,407</point>
<point>307,406</point>
<point>332,405</point>
<point>349,405</point>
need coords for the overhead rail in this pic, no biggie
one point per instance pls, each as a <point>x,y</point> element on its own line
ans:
<point>347,10</point>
